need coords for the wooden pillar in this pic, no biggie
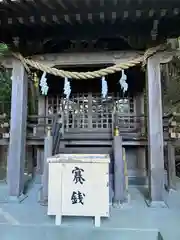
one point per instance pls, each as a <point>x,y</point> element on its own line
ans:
<point>120,194</point>
<point>141,164</point>
<point>155,134</point>
<point>29,159</point>
<point>48,148</point>
<point>40,132</point>
<point>41,111</point>
<point>40,161</point>
<point>171,167</point>
<point>17,144</point>
<point>139,104</point>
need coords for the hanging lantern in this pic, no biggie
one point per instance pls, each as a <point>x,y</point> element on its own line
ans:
<point>123,83</point>
<point>67,88</point>
<point>104,89</point>
<point>43,84</point>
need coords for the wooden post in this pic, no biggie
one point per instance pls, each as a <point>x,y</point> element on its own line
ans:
<point>40,132</point>
<point>120,195</point>
<point>40,161</point>
<point>41,112</point>
<point>48,147</point>
<point>29,157</point>
<point>38,170</point>
<point>155,135</point>
<point>17,145</point>
<point>171,167</point>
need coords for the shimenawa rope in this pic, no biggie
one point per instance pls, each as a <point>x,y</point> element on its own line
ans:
<point>94,74</point>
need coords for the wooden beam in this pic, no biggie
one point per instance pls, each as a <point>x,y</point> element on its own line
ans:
<point>90,17</point>
<point>55,19</point>
<point>155,134</point>
<point>105,58</point>
<point>70,59</point>
<point>61,3</point>
<point>67,7</point>
<point>87,58</point>
<point>102,18</point>
<point>15,6</point>
<point>67,19</point>
<point>17,145</point>
<point>113,17</point>
<point>47,3</point>
<point>78,18</point>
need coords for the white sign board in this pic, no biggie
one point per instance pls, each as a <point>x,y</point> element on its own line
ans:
<point>79,186</point>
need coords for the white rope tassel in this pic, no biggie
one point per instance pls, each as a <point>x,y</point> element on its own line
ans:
<point>43,84</point>
<point>123,82</point>
<point>104,89</point>
<point>67,88</point>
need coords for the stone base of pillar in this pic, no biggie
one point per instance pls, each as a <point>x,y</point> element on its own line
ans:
<point>156,204</point>
<point>123,204</point>
<point>15,199</point>
<point>41,199</point>
<point>169,190</point>
<point>172,190</point>
<point>37,178</point>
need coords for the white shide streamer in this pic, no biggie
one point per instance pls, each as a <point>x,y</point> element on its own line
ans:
<point>43,84</point>
<point>67,88</point>
<point>123,82</point>
<point>104,89</point>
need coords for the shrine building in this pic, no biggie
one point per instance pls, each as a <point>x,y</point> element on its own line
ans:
<point>90,74</point>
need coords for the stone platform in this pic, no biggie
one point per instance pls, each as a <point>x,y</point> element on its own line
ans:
<point>28,220</point>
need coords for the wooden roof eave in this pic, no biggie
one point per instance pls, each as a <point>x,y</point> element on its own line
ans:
<point>29,12</point>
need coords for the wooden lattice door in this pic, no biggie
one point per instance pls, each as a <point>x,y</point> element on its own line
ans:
<point>89,110</point>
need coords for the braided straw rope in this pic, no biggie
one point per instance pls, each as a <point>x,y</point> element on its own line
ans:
<point>89,75</point>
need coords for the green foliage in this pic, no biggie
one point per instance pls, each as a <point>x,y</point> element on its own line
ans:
<point>5,76</point>
<point>3,49</point>
<point>171,86</point>
<point>5,85</point>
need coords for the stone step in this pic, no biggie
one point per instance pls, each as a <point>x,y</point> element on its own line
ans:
<point>87,135</point>
<point>86,150</point>
<point>49,232</point>
<point>89,142</point>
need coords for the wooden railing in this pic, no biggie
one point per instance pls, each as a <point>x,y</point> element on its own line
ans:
<point>57,133</point>
<point>130,123</point>
<point>37,125</point>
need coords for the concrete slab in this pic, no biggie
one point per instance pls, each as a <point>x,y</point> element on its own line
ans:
<point>47,233</point>
<point>6,218</point>
<point>136,221</point>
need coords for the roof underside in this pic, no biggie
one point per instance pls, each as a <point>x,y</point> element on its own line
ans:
<point>70,21</point>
